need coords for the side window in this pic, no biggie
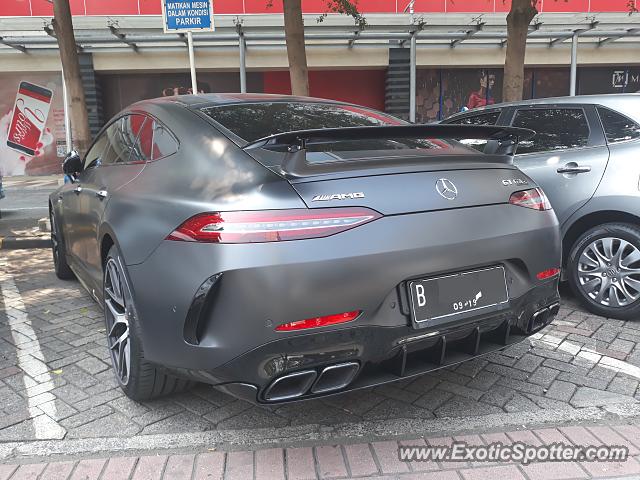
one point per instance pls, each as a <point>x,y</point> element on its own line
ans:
<point>93,158</point>
<point>164,143</point>
<point>617,127</point>
<point>121,137</point>
<point>489,118</point>
<point>143,129</point>
<point>556,129</point>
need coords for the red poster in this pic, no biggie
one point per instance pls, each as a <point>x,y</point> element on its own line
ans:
<point>30,114</point>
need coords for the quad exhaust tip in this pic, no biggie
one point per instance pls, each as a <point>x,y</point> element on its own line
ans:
<point>544,316</point>
<point>294,385</point>
<point>335,377</point>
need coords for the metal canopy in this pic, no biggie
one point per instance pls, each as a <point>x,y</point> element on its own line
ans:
<point>115,34</point>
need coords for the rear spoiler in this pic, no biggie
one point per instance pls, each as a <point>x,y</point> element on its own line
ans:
<point>502,140</point>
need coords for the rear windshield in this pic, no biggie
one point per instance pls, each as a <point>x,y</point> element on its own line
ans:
<point>252,121</point>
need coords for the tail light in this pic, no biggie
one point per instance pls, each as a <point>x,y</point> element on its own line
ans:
<point>319,321</point>
<point>271,225</point>
<point>551,272</point>
<point>533,198</point>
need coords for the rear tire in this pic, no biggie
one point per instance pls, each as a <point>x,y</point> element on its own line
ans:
<point>62,268</point>
<point>139,379</point>
<point>604,270</point>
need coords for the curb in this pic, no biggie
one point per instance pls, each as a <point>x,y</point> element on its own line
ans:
<point>17,243</point>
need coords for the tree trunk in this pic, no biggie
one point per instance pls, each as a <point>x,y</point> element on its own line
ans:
<point>294,33</point>
<point>63,28</point>
<point>518,20</point>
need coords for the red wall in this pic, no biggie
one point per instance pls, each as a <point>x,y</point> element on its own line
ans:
<point>146,7</point>
<point>362,87</point>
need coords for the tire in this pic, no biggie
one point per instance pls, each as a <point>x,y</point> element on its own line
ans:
<point>139,379</point>
<point>604,270</point>
<point>62,268</point>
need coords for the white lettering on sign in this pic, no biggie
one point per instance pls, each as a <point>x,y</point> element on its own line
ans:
<point>421,297</point>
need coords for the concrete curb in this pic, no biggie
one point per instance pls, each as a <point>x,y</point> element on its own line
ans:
<point>306,435</point>
<point>17,243</point>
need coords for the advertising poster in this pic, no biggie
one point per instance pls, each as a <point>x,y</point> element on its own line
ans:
<point>31,124</point>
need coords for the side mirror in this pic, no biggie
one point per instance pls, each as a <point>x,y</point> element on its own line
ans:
<point>72,163</point>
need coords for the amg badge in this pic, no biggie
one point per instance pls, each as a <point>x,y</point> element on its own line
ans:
<point>338,196</point>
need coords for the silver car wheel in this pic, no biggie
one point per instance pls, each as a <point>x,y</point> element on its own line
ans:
<point>117,320</point>
<point>609,272</point>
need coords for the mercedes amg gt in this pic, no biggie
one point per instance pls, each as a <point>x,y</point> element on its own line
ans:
<point>285,248</point>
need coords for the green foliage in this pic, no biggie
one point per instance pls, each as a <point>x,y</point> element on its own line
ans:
<point>345,7</point>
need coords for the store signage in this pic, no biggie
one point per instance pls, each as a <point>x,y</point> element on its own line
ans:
<point>187,15</point>
<point>30,113</point>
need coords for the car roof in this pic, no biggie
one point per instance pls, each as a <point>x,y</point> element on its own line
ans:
<point>214,99</point>
<point>627,103</point>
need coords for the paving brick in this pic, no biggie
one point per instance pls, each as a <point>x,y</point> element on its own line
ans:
<point>360,460</point>
<point>450,475</point>
<point>543,376</point>
<point>239,465</point>
<point>29,471</point>
<point>300,464</point>
<point>149,468</point>
<point>88,469</point>
<point>560,390</point>
<point>330,462</point>
<point>119,468</point>
<point>630,432</point>
<point>505,472</point>
<point>6,471</point>
<point>613,469</point>
<point>387,456</point>
<point>554,471</point>
<point>579,436</point>
<point>419,466</point>
<point>551,435</point>
<point>209,466</point>
<point>524,436</point>
<point>497,437</point>
<point>609,436</point>
<point>59,471</point>
<point>179,467</point>
<point>269,464</point>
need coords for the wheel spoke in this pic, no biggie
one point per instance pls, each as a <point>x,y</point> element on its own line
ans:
<point>587,260</point>
<point>590,285</point>
<point>604,287</point>
<point>630,258</point>
<point>602,261</point>
<point>607,247</point>
<point>632,282</point>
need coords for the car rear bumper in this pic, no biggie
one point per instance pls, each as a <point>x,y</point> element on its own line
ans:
<point>209,311</point>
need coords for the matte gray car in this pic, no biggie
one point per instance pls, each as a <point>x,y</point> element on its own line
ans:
<point>586,158</point>
<point>286,248</point>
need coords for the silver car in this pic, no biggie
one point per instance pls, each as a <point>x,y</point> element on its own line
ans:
<point>285,248</point>
<point>586,157</point>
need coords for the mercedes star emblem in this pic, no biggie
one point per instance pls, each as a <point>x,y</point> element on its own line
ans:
<point>446,188</point>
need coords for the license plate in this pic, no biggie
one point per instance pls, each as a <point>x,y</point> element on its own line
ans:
<point>457,294</point>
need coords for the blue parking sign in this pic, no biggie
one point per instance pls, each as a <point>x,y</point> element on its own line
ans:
<point>187,15</point>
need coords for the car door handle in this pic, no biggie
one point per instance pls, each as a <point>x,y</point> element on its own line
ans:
<point>101,194</point>
<point>78,189</point>
<point>574,169</point>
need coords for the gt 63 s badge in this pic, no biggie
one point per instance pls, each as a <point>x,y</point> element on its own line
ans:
<point>338,196</point>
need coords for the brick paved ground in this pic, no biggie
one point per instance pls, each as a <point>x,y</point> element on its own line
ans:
<point>55,383</point>
<point>354,460</point>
